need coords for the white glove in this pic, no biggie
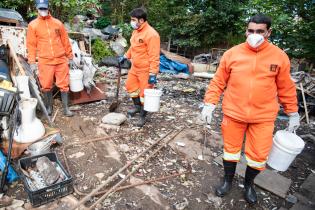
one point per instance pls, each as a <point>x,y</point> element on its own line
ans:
<point>33,67</point>
<point>206,114</point>
<point>294,121</point>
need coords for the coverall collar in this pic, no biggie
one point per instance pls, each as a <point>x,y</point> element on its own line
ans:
<point>261,47</point>
<point>44,18</point>
<point>144,25</point>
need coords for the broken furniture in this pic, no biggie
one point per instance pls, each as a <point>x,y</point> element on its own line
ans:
<point>8,117</point>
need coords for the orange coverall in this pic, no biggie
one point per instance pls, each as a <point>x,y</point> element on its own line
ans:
<point>48,37</point>
<point>254,82</point>
<point>144,53</point>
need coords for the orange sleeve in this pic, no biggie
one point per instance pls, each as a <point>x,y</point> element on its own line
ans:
<point>154,53</point>
<point>66,42</point>
<point>286,89</point>
<point>31,44</point>
<point>128,53</point>
<point>218,83</point>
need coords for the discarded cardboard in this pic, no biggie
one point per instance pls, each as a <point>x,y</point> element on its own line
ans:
<point>267,179</point>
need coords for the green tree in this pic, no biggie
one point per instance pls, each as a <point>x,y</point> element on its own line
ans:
<point>293,26</point>
<point>61,9</point>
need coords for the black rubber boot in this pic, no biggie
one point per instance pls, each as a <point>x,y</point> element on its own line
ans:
<point>141,120</point>
<point>229,171</point>
<point>136,108</point>
<point>250,193</point>
<point>49,102</point>
<point>65,101</point>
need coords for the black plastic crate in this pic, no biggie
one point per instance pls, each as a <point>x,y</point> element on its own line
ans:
<point>50,193</point>
<point>6,101</point>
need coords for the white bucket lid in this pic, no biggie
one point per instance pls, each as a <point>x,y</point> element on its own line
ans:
<point>152,92</point>
<point>289,141</point>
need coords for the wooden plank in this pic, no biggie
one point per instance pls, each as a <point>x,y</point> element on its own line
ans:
<point>267,179</point>
<point>305,105</point>
<point>82,46</point>
<point>83,97</point>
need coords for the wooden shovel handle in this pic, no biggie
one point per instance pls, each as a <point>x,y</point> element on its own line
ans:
<point>16,59</point>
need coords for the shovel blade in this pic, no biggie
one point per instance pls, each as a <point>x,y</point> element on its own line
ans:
<point>113,106</point>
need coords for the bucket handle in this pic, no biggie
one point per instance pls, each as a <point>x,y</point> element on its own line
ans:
<point>294,131</point>
<point>75,67</point>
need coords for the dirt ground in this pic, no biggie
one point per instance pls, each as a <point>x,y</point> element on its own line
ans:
<point>91,163</point>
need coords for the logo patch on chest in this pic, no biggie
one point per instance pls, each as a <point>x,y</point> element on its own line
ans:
<point>140,40</point>
<point>273,67</point>
<point>57,31</point>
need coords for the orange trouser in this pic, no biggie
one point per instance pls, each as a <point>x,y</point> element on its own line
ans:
<point>136,82</point>
<point>49,73</point>
<point>257,145</point>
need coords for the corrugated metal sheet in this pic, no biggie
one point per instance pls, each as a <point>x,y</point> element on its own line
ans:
<point>10,14</point>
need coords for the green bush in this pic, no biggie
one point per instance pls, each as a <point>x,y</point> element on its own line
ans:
<point>126,30</point>
<point>100,49</point>
<point>102,22</point>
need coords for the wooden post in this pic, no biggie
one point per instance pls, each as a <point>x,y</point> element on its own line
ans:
<point>305,105</point>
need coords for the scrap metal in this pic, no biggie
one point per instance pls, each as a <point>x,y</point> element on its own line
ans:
<point>17,36</point>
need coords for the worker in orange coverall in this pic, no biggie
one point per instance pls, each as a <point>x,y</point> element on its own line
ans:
<point>48,37</point>
<point>144,54</point>
<point>255,78</point>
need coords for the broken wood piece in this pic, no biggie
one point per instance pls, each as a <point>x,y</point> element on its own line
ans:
<point>82,46</point>
<point>205,75</point>
<point>163,178</point>
<point>99,90</point>
<point>54,117</point>
<point>109,179</point>
<point>113,189</point>
<point>267,179</point>
<point>14,55</point>
<point>54,96</point>
<point>304,115</point>
<point>305,105</point>
<point>308,93</point>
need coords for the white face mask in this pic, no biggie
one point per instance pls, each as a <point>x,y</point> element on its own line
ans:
<point>43,13</point>
<point>134,25</point>
<point>255,40</point>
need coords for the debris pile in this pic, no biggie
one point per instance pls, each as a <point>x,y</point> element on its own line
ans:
<point>44,173</point>
<point>305,84</point>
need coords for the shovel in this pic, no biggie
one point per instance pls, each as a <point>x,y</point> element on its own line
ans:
<point>115,103</point>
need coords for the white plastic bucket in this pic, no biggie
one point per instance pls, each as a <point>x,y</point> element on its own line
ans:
<point>286,146</point>
<point>76,84</point>
<point>152,100</point>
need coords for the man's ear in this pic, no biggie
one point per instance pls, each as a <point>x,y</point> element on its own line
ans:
<point>141,20</point>
<point>269,33</point>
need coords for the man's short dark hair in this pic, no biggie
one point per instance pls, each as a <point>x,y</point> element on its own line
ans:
<point>261,19</point>
<point>139,13</point>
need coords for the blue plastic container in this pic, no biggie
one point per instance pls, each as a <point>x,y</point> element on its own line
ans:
<point>12,175</point>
